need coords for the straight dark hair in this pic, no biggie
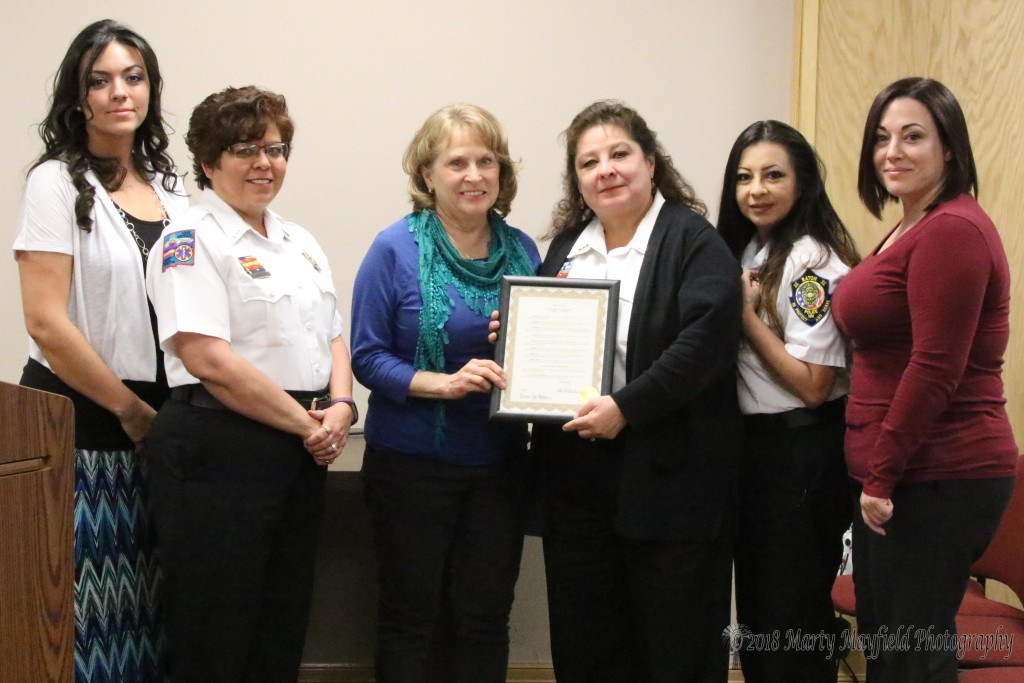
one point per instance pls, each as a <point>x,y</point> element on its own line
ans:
<point>961,175</point>
<point>64,134</point>
<point>812,213</point>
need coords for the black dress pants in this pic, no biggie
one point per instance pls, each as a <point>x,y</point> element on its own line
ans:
<point>449,540</point>
<point>236,506</point>
<point>622,609</point>
<point>910,582</point>
<point>794,508</point>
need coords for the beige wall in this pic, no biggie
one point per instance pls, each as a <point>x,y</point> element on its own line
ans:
<point>361,77</point>
<point>854,49</point>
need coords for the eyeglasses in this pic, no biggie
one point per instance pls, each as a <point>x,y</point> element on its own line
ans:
<point>250,150</point>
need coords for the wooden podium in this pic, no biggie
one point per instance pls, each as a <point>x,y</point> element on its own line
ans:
<point>37,571</point>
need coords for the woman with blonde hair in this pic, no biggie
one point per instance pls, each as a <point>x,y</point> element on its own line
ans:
<point>442,483</point>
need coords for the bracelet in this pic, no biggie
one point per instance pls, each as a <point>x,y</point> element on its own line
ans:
<point>351,404</point>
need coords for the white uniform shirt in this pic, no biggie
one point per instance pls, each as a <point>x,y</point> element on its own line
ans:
<point>804,304</point>
<point>271,298</point>
<point>589,258</point>
<point>107,302</point>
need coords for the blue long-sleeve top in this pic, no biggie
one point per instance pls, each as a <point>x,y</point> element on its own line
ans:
<point>386,306</point>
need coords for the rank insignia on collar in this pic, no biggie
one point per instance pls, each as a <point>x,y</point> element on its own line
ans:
<point>566,267</point>
<point>179,249</point>
<point>312,261</point>
<point>810,298</point>
<point>252,266</point>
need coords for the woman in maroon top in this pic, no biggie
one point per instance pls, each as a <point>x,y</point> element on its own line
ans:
<point>928,440</point>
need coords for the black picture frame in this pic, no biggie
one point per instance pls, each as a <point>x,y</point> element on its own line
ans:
<point>542,370</point>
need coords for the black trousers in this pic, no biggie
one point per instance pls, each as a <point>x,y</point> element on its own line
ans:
<point>236,506</point>
<point>794,508</point>
<point>913,578</point>
<point>449,540</point>
<point>625,609</point>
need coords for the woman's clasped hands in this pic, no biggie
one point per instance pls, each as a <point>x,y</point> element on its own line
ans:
<point>328,440</point>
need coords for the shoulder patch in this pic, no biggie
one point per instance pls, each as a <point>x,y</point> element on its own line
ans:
<point>810,298</point>
<point>179,249</point>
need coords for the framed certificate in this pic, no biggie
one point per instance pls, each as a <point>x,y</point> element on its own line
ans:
<point>557,345</point>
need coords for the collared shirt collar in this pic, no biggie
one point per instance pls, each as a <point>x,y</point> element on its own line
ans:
<point>233,225</point>
<point>754,254</point>
<point>592,237</point>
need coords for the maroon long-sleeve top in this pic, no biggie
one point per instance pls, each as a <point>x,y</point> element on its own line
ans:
<point>930,320</point>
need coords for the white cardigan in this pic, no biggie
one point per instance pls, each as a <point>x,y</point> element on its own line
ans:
<point>108,290</point>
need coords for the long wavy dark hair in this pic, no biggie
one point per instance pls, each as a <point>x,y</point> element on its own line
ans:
<point>812,213</point>
<point>64,134</point>
<point>571,211</point>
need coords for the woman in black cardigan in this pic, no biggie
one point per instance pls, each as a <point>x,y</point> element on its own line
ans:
<point>638,489</point>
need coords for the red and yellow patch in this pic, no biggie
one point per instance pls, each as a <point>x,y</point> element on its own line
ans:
<point>252,266</point>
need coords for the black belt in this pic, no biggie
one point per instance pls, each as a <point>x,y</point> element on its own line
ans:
<point>199,396</point>
<point>833,411</point>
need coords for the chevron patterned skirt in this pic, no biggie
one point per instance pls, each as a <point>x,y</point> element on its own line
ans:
<point>117,581</point>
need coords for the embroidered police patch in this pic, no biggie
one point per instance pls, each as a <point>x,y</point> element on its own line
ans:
<point>180,249</point>
<point>810,300</point>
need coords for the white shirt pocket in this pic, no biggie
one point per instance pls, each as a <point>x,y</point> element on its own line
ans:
<point>264,314</point>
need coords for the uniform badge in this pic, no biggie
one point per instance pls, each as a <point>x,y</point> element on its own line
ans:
<point>810,300</point>
<point>252,266</point>
<point>179,249</point>
<point>566,267</point>
<point>312,261</point>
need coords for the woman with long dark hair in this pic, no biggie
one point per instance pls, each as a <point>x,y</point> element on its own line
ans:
<point>95,202</point>
<point>781,227</point>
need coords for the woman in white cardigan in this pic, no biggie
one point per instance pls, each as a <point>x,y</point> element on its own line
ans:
<point>95,202</point>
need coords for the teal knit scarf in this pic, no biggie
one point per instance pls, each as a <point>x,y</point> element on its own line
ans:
<point>478,282</point>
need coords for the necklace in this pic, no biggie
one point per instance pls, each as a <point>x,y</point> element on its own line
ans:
<point>469,244</point>
<point>141,243</point>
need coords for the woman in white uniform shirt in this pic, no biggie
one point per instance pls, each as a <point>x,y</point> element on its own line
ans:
<point>794,495</point>
<point>248,322</point>
<point>95,203</point>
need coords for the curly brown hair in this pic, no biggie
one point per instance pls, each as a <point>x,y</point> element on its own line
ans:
<point>572,212</point>
<point>233,115</point>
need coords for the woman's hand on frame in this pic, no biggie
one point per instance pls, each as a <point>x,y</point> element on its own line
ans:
<point>494,327</point>
<point>599,418</point>
<point>478,375</point>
